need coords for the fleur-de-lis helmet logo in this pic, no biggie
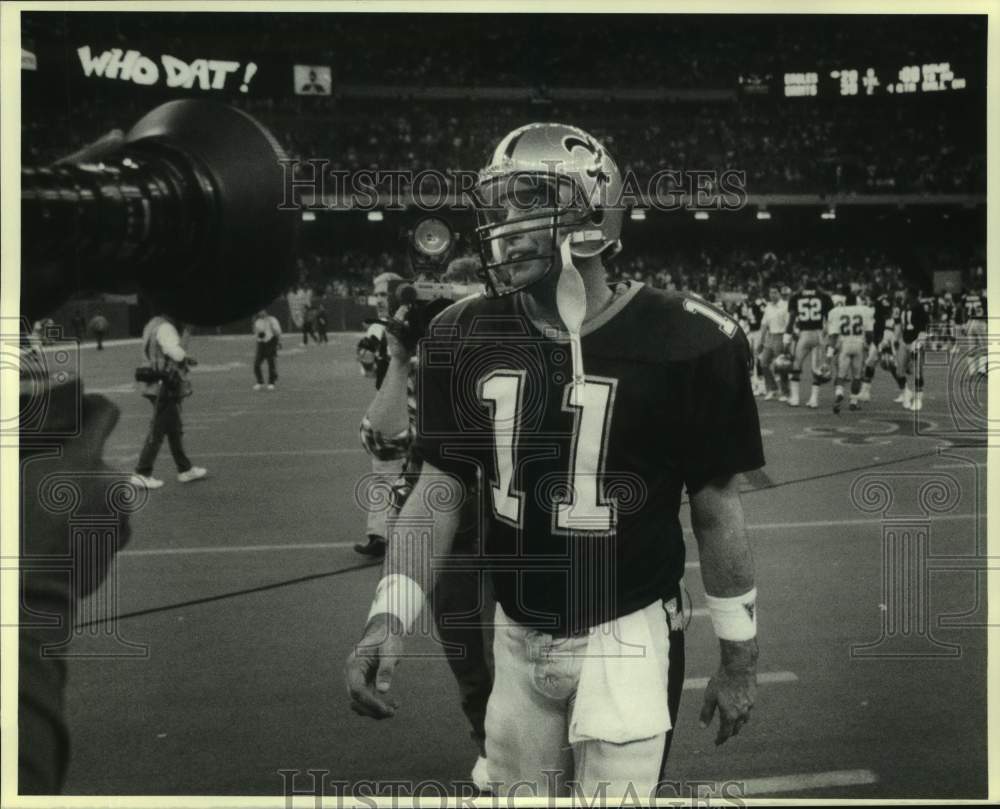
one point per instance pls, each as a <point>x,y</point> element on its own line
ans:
<point>596,171</point>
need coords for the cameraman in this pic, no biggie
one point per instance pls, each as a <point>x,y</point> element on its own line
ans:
<point>169,363</point>
<point>387,455</point>
<point>461,601</point>
<point>267,330</point>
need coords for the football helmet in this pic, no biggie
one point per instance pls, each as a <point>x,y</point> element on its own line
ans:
<point>550,180</point>
<point>782,364</point>
<point>823,374</point>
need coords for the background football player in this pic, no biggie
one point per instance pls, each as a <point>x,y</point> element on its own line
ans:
<point>544,385</point>
<point>880,350</point>
<point>972,319</point>
<point>807,312</point>
<point>751,313</point>
<point>850,327</point>
<point>774,321</point>
<point>910,359</point>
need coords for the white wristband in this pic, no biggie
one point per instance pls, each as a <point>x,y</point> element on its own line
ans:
<point>398,595</point>
<point>734,618</point>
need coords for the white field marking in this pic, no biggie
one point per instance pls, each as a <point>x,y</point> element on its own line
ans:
<point>277,452</point>
<point>779,526</point>
<point>957,465</point>
<point>223,413</point>
<point>764,678</point>
<point>691,565</point>
<point>800,782</point>
<point>125,387</point>
<point>302,546</point>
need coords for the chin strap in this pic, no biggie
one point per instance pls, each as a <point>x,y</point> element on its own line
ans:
<point>571,302</point>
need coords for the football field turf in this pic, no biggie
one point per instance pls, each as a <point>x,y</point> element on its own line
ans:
<point>239,597</point>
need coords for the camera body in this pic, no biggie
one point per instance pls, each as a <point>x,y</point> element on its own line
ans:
<point>417,303</point>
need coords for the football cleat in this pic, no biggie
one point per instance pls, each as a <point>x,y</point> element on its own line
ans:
<point>838,402</point>
<point>769,396</point>
<point>854,405</point>
<point>901,397</point>
<point>793,402</point>
<point>258,386</point>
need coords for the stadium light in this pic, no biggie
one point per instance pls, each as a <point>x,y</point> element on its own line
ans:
<point>375,216</point>
<point>308,216</point>
<point>762,214</point>
<point>830,214</point>
<point>701,215</point>
<point>638,215</point>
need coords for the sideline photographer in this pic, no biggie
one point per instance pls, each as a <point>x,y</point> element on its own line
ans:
<point>164,381</point>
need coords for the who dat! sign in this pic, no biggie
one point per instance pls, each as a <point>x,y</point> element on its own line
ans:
<point>166,70</point>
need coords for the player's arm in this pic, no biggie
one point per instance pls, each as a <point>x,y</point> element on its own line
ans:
<point>402,592</point>
<point>786,338</point>
<point>728,575</point>
<point>387,429</point>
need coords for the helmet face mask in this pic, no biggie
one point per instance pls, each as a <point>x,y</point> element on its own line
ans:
<point>546,183</point>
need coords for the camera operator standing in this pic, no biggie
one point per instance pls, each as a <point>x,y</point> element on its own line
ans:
<point>268,333</point>
<point>165,384</point>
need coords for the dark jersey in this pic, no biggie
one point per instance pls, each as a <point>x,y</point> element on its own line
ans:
<point>972,306</point>
<point>883,315</point>
<point>807,309</point>
<point>752,312</point>
<point>913,320</point>
<point>582,495</point>
<point>945,310</point>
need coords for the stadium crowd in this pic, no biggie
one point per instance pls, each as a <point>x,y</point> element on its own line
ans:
<point>674,51</point>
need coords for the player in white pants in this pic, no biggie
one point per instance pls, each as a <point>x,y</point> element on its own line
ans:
<point>850,327</point>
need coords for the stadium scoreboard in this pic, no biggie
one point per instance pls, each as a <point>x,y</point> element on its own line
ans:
<point>933,77</point>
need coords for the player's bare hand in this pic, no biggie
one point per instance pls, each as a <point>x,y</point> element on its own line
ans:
<point>732,690</point>
<point>370,666</point>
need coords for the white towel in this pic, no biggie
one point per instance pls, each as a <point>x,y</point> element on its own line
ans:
<point>622,693</point>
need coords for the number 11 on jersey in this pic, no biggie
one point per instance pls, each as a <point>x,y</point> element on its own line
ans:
<point>591,403</point>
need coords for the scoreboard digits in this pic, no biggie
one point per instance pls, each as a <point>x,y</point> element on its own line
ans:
<point>933,77</point>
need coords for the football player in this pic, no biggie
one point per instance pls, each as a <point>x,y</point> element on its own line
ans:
<point>751,313</point>
<point>545,386</point>
<point>807,312</point>
<point>972,319</point>
<point>880,349</point>
<point>910,360</point>
<point>774,321</point>
<point>850,327</point>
